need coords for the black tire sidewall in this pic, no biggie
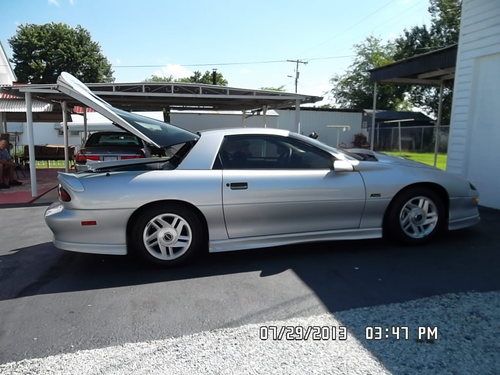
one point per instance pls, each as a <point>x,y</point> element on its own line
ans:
<point>198,241</point>
<point>392,226</point>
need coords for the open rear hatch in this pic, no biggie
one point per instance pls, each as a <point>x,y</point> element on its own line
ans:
<point>154,132</point>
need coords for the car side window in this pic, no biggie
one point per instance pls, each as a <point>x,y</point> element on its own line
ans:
<point>270,152</point>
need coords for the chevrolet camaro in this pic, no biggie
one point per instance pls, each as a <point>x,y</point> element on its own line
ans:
<point>242,188</point>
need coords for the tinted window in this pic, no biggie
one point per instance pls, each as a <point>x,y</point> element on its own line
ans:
<point>113,139</point>
<point>160,132</point>
<point>271,152</point>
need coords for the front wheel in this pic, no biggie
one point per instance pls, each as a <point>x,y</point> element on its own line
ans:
<point>416,216</point>
<point>169,235</point>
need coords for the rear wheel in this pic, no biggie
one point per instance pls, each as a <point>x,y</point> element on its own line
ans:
<point>169,235</point>
<point>415,216</point>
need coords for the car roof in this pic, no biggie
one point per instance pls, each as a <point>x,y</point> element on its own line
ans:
<point>247,131</point>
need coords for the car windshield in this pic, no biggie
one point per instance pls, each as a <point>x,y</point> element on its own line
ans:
<point>336,151</point>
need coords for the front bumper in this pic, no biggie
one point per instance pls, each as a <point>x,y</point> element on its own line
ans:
<point>463,212</point>
<point>108,236</point>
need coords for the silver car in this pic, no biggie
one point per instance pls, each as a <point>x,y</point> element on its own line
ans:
<point>244,188</point>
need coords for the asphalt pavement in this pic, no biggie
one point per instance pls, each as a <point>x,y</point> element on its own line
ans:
<point>54,302</point>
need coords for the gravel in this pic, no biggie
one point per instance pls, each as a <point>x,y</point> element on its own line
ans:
<point>468,328</point>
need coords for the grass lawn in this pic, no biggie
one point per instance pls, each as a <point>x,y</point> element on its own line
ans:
<point>422,157</point>
<point>57,164</point>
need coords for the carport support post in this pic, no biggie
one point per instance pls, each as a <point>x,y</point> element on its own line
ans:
<point>399,135</point>
<point>31,143</point>
<point>2,121</point>
<point>85,128</point>
<point>65,133</point>
<point>438,123</point>
<point>372,135</point>
<point>297,115</point>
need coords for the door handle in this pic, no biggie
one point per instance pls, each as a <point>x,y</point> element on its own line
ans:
<point>238,185</point>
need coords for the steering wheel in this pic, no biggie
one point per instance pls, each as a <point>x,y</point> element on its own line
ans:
<point>285,157</point>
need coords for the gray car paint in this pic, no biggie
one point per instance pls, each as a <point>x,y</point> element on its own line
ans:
<point>279,206</point>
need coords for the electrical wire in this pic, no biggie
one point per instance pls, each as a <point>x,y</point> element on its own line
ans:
<point>233,63</point>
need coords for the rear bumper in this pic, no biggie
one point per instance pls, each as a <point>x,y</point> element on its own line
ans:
<point>108,236</point>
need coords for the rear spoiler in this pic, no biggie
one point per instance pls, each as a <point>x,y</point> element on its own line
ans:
<point>70,181</point>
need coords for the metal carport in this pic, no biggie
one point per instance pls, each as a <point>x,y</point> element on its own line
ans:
<point>155,96</point>
<point>432,68</point>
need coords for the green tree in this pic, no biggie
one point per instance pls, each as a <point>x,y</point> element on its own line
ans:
<point>159,79</point>
<point>271,88</point>
<point>196,77</point>
<point>354,89</point>
<point>206,78</point>
<point>443,31</point>
<point>42,52</point>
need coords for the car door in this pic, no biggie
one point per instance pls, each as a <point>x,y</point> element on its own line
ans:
<point>279,185</point>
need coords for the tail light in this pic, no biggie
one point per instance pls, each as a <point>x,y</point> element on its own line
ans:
<point>63,194</point>
<point>82,158</point>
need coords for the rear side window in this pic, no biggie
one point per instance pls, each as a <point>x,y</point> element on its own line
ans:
<point>270,152</point>
<point>113,139</point>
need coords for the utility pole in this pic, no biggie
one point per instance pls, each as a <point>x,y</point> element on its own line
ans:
<point>297,62</point>
<point>214,76</point>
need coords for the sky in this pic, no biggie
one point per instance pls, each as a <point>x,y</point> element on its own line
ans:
<point>171,37</point>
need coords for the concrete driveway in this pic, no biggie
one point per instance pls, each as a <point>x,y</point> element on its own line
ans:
<point>56,302</point>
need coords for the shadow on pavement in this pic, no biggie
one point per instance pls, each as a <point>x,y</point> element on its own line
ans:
<point>344,274</point>
<point>341,275</point>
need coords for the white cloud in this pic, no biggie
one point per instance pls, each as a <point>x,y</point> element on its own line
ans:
<point>174,70</point>
<point>53,2</point>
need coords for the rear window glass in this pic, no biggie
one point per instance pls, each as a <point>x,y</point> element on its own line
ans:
<point>113,139</point>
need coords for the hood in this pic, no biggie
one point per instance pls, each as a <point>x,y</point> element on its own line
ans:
<point>157,133</point>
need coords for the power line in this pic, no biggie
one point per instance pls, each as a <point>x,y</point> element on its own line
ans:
<point>351,26</point>
<point>233,63</point>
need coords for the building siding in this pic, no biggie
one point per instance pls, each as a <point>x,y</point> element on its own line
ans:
<point>317,121</point>
<point>475,128</point>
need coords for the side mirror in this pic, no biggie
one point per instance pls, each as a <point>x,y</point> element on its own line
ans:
<point>342,166</point>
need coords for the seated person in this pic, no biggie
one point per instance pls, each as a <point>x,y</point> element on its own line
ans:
<point>7,167</point>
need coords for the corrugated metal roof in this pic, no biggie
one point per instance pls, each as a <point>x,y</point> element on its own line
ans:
<point>20,106</point>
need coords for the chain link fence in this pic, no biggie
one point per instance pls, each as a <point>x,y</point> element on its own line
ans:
<point>411,138</point>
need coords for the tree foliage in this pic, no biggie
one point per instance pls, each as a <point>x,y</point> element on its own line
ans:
<point>443,31</point>
<point>196,77</point>
<point>159,79</point>
<point>42,52</point>
<point>271,88</point>
<point>354,89</point>
<point>206,78</point>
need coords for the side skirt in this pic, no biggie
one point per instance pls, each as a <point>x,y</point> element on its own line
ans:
<point>287,239</point>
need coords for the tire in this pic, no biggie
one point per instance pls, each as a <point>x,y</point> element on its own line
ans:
<point>168,235</point>
<point>415,216</point>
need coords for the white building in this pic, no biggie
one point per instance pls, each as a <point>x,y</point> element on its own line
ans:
<point>474,143</point>
<point>345,124</point>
